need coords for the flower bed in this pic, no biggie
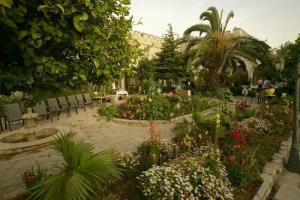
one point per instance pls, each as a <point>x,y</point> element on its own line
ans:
<point>158,107</point>
<point>247,138</point>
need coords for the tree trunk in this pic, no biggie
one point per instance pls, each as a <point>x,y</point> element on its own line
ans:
<point>214,80</point>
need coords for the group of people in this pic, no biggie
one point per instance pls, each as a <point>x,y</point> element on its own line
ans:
<point>260,87</point>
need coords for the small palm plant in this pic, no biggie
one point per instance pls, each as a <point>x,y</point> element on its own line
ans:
<point>79,176</point>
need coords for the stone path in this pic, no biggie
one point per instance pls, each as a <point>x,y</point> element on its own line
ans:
<point>103,134</point>
<point>289,187</point>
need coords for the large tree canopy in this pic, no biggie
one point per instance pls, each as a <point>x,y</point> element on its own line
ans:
<point>290,53</point>
<point>170,62</point>
<point>47,44</point>
<point>217,50</point>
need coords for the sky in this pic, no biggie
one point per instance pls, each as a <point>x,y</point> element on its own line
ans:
<point>274,21</point>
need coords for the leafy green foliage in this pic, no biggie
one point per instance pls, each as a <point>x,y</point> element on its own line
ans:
<point>204,103</point>
<point>290,53</point>
<point>149,153</point>
<point>217,51</point>
<point>267,69</point>
<point>157,107</point>
<point>108,110</point>
<point>145,70</point>
<point>67,43</point>
<point>241,175</point>
<point>79,175</point>
<point>170,64</point>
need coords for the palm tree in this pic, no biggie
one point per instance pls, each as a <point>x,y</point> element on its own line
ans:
<point>79,176</point>
<point>217,50</point>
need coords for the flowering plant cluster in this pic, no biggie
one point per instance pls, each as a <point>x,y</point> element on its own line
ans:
<point>207,151</point>
<point>235,141</point>
<point>255,126</point>
<point>155,106</point>
<point>151,152</point>
<point>130,162</point>
<point>132,109</point>
<point>33,176</point>
<point>184,178</point>
<point>168,150</point>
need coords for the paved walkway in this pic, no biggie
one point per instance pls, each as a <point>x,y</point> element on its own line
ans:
<point>289,187</point>
<point>103,134</point>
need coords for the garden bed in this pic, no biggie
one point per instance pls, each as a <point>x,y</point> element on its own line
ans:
<point>157,107</point>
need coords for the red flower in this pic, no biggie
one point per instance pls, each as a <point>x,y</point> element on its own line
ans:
<point>231,158</point>
<point>236,135</point>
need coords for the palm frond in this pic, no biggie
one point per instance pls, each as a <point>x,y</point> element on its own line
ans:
<point>207,16</point>
<point>216,18</point>
<point>229,16</point>
<point>201,28</point>
<point>80,175</point>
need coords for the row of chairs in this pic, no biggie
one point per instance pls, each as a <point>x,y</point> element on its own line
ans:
<point>48,107</point>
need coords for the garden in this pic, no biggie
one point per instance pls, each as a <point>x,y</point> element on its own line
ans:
<point>217,155</point>
<point>220,141</point>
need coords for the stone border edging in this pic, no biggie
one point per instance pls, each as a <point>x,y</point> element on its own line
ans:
<point>273,170</point>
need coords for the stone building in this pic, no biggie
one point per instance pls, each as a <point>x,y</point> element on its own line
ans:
<point>150,43</point>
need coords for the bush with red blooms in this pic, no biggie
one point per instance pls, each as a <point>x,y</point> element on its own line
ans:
<point>241,167</point>
<point>33,176</point>
<point>235,142</point>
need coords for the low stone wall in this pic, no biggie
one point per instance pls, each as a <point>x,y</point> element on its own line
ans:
<point>273,171</point>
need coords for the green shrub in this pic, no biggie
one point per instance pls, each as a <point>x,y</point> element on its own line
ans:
<point>203,103</point>
<point>109,111</point>
<point>246,114</point>
<point>240,175</point>
<point>157,107</point>
<point>149,153</point>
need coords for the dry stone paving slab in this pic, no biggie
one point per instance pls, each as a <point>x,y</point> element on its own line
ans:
<point>289,187</point>
<point>86,125</point>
